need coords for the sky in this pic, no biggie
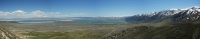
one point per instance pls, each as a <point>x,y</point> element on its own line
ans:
<point>87,8</point>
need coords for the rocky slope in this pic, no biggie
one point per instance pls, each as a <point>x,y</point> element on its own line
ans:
<point>180,31</point>
<point>4,32</point>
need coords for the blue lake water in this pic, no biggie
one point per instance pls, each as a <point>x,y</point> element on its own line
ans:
<point>83,21</point>
<point>35,21</point>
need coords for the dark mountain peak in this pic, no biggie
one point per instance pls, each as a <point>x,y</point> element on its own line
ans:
<point>195,7</point>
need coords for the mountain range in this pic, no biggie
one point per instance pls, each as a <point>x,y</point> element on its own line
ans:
<point>181,15</point>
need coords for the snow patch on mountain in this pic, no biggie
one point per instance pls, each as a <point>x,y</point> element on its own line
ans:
<point>173,11</point>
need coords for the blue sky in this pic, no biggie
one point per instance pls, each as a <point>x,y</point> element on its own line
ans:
<point>91,8</point>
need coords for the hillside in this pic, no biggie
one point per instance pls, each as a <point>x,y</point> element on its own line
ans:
<point>167,24</point>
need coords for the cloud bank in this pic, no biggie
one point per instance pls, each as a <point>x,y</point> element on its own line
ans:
<point>37,13</point>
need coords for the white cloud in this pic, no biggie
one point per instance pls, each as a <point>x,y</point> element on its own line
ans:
<point>76,14</point>
<point>19,11</point>
<point>37,13</point>
<point>3,13</point>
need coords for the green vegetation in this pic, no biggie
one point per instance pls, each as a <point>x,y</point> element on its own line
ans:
<point>59,35</point>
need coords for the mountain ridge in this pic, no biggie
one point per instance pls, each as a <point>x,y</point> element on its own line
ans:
<point>186,14</point>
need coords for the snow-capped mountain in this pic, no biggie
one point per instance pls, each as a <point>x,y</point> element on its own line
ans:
<point>186,14</point>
